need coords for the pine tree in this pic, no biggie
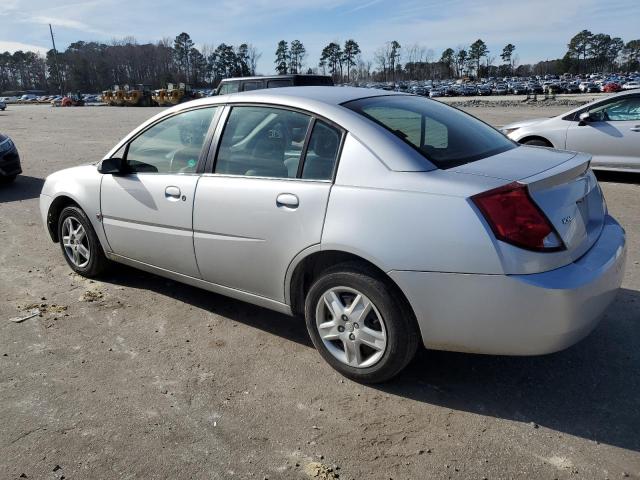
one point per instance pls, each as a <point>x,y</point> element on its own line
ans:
<point>296,56</point>
<point>350,52</point>
<point>282,57</point>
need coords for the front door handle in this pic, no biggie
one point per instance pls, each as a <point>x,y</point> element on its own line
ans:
<point>635,129</point>
<point>288,200</point>
<point>172,193</point>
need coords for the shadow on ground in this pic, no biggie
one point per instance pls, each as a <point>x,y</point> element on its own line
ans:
<point>591,390</point>
<point>23,188</point>
<point>254,316</point>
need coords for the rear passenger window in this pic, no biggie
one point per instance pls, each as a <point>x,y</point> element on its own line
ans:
<point>322,152</point>
<point>279,83</point>
<point>248,86</point>
<point>263,142</point>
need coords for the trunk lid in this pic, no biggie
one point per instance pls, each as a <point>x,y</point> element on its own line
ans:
<point>571,198</point>
<point>517,163</point>
<point>564,188</point>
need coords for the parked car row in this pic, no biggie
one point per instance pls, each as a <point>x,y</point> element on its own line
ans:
<point>50,99</point>
<point>512,85</point>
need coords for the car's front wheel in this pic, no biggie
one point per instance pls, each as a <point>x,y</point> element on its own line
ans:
<point>79,242</point>
<point>359,325</point>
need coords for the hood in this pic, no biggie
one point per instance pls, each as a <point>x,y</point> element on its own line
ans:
<point>524,123</point>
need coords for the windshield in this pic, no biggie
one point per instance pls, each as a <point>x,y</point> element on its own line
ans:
<point>446,136</point>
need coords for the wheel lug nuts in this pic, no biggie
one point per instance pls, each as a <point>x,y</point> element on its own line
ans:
<point>355,325</point>
<point>352,336</point>
<point>341,329</point>
<point>344,318</point>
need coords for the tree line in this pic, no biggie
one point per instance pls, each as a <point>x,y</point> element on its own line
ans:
<point>95,66</point>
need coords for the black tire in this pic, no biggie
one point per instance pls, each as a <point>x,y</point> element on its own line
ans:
<point>8,179</point>
<point>537,142</point>
<point>401,328</point>
<point>98,262</point>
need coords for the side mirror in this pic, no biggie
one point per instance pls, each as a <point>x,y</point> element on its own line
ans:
<point>585,117</point>
<point>114,165</point>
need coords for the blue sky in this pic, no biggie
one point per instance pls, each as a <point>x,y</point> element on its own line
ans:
<point>539,29</point>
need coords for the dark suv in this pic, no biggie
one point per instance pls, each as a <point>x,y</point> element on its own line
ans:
<point>245,84</point>
<point>9,160</point>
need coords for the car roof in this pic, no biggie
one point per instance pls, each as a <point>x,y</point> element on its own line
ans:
<point>288,76</point>
<point>325,94</point>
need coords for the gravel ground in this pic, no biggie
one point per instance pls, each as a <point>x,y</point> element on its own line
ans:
<point>135,376</point>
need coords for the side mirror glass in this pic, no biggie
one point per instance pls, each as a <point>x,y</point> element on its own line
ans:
<point>585,117</point>
<point>114,165</point>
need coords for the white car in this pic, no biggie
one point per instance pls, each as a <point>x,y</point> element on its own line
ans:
<point>608,129</point>
<point>631,85</point>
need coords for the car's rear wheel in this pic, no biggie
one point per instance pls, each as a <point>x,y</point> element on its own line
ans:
<point>79,242</point>
<point>537,142</point>
<point>359,325</point>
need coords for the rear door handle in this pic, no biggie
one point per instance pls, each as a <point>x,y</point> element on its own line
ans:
<point>288,200</point>
<point>172,193</point>
<point>635,129</point>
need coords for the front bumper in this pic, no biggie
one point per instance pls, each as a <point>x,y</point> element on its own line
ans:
<point>518,314</point>
<point>45,205</point>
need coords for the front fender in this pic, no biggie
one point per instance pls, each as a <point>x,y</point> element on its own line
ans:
<point>79,185</point>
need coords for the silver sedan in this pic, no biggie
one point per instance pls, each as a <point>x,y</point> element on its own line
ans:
<point>608,129</point>
<point>388,221</point>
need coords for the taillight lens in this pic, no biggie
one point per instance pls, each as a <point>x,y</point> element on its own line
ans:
<point>516,219</point>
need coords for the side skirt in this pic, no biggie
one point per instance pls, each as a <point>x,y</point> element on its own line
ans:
<point>211,287</point>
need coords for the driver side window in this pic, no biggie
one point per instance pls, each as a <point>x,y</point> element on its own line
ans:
<point>623,109</point>
<point>171,146</point>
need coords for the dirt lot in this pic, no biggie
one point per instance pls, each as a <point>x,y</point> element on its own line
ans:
<point>139,377</point>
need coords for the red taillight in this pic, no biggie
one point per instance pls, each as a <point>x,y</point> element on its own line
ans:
<point>516,219</point>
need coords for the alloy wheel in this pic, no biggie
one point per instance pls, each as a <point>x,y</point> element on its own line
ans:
<point>351,327</point>
<point>75,242</point>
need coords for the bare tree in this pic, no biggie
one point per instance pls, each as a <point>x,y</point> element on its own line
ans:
<point>381,57</point>
<point>253,56</point>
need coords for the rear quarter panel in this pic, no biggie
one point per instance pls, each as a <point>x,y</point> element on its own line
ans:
<point>407,220</point>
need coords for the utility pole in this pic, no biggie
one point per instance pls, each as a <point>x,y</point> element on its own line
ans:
<point>55,59</point>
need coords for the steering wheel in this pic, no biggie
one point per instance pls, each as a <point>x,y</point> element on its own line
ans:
<point>175,163</point>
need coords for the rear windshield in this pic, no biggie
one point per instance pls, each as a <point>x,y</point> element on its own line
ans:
<point>446,136</point>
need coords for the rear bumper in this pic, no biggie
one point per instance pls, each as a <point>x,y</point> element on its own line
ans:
<point>518,314</point>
